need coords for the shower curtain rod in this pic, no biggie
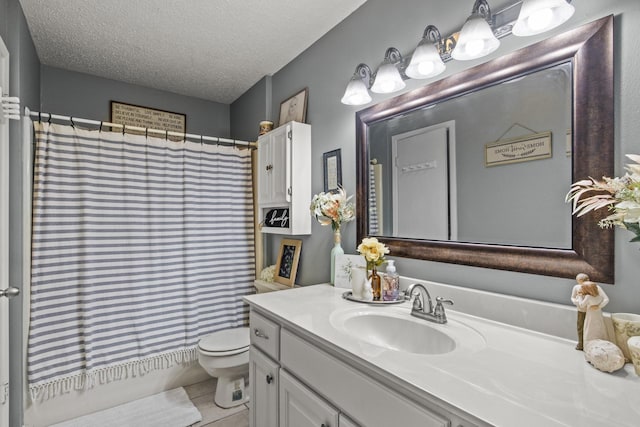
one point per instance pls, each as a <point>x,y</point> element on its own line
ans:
<point>73,120</point>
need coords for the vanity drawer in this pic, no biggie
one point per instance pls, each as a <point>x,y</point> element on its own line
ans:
<point>265,334</point>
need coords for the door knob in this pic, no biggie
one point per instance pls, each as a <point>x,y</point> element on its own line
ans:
<point>10,292</point>
<point>269,379</point>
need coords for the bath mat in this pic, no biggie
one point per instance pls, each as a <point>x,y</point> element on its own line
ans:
<point>168,409</point>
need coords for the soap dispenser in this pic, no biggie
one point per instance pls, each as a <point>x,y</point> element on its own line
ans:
<point>391,286</point>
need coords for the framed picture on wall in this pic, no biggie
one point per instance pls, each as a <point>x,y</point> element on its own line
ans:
<point>332,166</point>
<point>294,108</point>
<point>287,264</point>
<point>155,122</point>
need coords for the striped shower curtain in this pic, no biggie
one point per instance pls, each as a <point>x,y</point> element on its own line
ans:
<point>140,246</point>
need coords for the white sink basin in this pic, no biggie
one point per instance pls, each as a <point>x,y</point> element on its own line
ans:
<point>394,329</point>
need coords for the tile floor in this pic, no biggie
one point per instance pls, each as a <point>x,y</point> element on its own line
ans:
<point>201,394</point>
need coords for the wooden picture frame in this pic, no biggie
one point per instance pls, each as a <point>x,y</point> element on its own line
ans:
<point>294,108</point>
<point>287,264</point>
<point>145,117</point>
<point>332,167</point>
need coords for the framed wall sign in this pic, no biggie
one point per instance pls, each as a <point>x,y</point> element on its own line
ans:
<point>332,166</point>
<point>150,118</point>
<point>294,108</point>
<point>287,265</point>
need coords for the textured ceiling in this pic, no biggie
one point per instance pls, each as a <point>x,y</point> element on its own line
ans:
<point>211,49</point>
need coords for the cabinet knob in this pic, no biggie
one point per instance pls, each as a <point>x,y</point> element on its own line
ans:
<point>260,334</point>
<point>269,167</point>
<point>269,379</point>
<point>10,292</point>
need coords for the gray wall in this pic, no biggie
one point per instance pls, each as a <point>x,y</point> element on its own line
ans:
<point>82,95</point>
<point>250,109</point>
<point>25,83</point>
<point>325,69</point>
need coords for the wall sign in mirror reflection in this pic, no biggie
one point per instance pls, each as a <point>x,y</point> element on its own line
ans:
<point>436,182</point>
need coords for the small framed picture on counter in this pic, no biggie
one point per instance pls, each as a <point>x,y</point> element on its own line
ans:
<point>287,265</point>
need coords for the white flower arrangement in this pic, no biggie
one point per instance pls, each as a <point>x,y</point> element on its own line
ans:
<point>332,208</point>
<point>621,195</point>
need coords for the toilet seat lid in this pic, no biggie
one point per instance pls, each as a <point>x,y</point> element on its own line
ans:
<point>227,341</point>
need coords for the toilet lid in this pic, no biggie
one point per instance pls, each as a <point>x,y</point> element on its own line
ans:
<point>226,341</point>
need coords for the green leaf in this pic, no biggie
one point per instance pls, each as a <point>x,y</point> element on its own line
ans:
<point>635,228</point>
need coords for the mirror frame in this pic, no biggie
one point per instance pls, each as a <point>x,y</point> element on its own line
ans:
<point>590,50</point>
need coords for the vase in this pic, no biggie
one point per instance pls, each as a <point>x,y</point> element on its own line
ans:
<point>374,277</point>
<point>625,326</point>
<point>337,250</point>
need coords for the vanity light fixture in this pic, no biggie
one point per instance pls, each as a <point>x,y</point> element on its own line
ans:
<point>426,60</point>
<point>357,92</point>
<point>388,78</point>
<point>476,37</point>
<point>538,16</point>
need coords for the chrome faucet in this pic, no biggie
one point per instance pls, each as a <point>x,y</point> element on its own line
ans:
<point>436,314</point>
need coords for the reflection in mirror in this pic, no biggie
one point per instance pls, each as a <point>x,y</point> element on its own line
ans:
<point>434,179</point>
<point>506,139</point>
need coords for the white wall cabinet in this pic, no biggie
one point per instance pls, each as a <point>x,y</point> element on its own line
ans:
<point>317,389</point>
<point>284,179</point>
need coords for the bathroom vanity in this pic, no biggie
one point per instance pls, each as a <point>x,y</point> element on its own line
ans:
<point>317,359</point>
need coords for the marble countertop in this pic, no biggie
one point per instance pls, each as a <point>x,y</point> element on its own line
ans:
<point>513,376</point>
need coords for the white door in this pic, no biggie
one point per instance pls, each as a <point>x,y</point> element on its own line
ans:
<point>424,183</point>
<point>5,290</point>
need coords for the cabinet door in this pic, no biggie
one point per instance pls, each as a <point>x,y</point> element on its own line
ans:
<point>346,422</point>
<point>301,407</point>
<point>263,380</point>
<point>273,161</point>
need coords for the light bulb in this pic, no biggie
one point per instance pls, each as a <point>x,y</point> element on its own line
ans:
<point>426,67</point>
<point>425,61</point>
<point>540,19</point>
<point>474,47</point>
<point>476,39</point>
<point>356,92</point>
<point>387,80</point>
<point>538,16</point>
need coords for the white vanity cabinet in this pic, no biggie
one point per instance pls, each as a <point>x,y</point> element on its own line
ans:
<point>284,179</point>
<point>316,388</point>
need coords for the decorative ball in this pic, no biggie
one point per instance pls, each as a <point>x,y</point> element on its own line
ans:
<point>268,273</point>
<point>603,355</point>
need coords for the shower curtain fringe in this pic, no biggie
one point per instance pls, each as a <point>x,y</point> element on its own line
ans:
<point>136,368</point>
<point>73,121</point>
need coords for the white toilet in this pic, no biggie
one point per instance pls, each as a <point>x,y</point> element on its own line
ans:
<point>225,355</point>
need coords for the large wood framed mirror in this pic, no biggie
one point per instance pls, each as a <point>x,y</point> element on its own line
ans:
<point>456,203</point>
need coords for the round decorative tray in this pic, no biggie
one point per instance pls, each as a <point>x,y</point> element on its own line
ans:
<point>349,296</point>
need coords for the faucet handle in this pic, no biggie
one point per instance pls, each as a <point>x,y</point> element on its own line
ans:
<point>440,301</point>
<point>439,310</point>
